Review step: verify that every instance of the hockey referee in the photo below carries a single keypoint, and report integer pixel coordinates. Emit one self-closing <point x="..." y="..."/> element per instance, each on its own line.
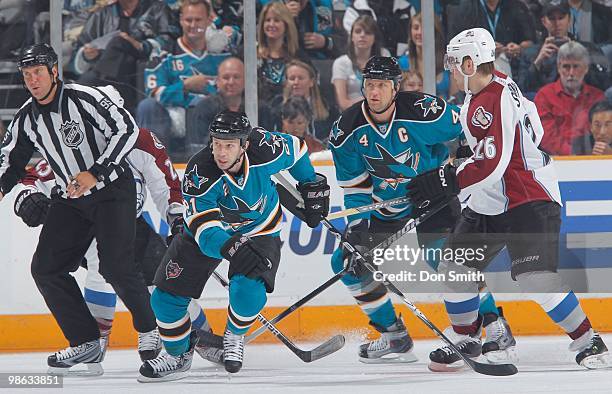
<point x="84" y="133"/>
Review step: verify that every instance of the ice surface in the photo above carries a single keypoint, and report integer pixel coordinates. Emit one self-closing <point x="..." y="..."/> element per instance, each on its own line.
<point x="545" y="366"/>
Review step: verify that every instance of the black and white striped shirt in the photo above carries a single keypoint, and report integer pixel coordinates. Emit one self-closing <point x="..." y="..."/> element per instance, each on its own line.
<point x="83" y="129"/>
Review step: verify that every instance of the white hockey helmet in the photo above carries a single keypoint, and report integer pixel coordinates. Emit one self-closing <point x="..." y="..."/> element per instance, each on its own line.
<point x="477" y="44"/>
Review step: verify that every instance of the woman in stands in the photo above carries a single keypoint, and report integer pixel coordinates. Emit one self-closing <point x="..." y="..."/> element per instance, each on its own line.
<point x="413" y="58"/>
<point x="364" y="42"/>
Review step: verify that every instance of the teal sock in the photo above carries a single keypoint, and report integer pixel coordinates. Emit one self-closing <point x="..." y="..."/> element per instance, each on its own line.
<point x="487" y="303"/>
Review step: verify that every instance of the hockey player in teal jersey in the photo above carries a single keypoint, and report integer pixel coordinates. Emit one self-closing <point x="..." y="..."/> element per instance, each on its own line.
<point x="233" y="212"/>
<point x="378" y="145"/>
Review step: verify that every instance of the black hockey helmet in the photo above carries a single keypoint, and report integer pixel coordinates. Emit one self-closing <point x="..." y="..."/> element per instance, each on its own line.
<point x="38" y="54"/>
<point x="383" y="67"/>
<point x="230" y="125"/>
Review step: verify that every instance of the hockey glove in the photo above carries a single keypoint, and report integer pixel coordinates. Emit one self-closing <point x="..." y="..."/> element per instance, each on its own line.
<point x="434" y="185"/>
<point x="245" y="257"/>
<point x="356" y="233"/>
<point x="32" y="207"/>
<point x="176" y="227"/>
<point x="316" y="200"/>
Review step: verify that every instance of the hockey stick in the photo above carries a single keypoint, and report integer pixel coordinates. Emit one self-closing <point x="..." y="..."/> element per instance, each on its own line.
<point x="325" y="349"/>
<point x="485" y="369"/>
<point x="298" y="304"/>
<point x="367" y="208"/>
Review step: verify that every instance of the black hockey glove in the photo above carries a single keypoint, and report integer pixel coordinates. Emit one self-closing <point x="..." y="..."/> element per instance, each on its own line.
<point x="32" y="207"/>
<point x="316" y="200"/>
<point x="357" y="235"/>
<point x="434" y="185"/>
<point x="176" y="227"/>
<point x="245" y="257"/>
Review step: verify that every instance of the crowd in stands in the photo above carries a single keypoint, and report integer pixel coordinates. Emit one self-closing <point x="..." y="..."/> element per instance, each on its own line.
<point x="178" y="62"/>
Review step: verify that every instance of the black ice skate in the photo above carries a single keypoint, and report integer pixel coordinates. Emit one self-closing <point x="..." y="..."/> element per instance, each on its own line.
<point x="89" y="354"/>
<point x="210" y="346"/>
<point x="593" y="353"/>
<point x="166" y="367"/>
<point x="233" y="351"/>
<point x="445" y="359"/>
<point x="393" y="346"/>
<point x="499" y="345"/>
<point x="149" y="345"/>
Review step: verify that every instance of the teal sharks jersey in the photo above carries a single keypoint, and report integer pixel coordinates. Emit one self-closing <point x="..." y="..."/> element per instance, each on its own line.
<point x="220" y="204"/>
<point x="164" y="76"/>
<point x="375" y="162"/>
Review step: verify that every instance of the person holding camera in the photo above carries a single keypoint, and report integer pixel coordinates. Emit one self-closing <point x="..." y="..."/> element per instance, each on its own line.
<point x="538" y="64"/>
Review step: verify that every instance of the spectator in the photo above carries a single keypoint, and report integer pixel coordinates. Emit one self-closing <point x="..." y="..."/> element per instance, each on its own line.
<point x="314" y="21"/>
<point x="228" y="18"/>
<point x="564" y="105"/>
<point x="411" y="82"/>
<point x="346" y="71"/>
<point x="412" y="59"/>
<point x="599" y="142"/>
<point x="538" y="63"/>
<point x="392" y="21"/>
<point x="230" y="96"/>
<point x="278" y="44"/>
<point x="135" y="29"/>
<point x="302" y="81"/>
<point x="508" y="21"/>
<point x="590" y="21"/>
<point x="12" y="27"/>
<point x="296" y="115"/>
<point x="178" y="80"/>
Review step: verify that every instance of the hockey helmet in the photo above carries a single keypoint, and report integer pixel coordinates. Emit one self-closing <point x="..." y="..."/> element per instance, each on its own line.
<point x="230" y="125"/>
<point x="38" y="54"/>
<point x="383" y="67"/>
<point x="477" y="44"/>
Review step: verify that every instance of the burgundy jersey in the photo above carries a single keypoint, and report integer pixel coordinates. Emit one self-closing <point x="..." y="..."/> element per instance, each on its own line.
<point x="507" y="168"/>
<point x="152" y="169"/>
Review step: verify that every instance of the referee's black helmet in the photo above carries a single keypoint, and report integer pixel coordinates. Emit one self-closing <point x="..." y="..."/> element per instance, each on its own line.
<point x="38" y="54"/>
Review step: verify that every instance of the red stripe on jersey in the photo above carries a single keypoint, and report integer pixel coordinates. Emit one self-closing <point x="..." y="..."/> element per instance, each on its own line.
<point x="148" y="142"/>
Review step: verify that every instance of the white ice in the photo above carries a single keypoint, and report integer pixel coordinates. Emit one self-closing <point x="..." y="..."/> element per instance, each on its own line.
<point x="545" y="366"/>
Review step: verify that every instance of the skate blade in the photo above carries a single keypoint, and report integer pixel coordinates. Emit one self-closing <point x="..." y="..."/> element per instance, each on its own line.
<point x="391" y="358"/>
<point x="214" y="356"/>
<point x="167" y="378"/>
<point x="93" y="369"/>
<point x="454" y="367"/>
<point x="507" y="356"/>
<point x="597" y="361"/>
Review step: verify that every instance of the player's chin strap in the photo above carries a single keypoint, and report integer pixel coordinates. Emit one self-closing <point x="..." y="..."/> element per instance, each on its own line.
<point x="466" y="78"/>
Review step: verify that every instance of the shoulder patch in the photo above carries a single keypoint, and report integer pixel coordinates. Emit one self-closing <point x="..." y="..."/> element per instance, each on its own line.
<point x="348" y="121"/>
<point x="419" y="106"/>
<point x="200" y="174"/>
<point x="265" y="146"/>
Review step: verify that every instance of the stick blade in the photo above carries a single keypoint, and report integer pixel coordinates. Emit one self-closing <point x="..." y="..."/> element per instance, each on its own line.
<point x="494" y="369"/>
<point x="328" y="347"/>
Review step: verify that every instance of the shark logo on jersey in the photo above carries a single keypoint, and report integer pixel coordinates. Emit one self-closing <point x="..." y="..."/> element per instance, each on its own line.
<point x="243" y="214"/>
<point x="193" y="181"/>
<point x="72" y="134"/>
<point x="173" y="270"/>
<point x="336" y="132"/>
<point x="482" y="118"/>
<point x="393" y="170"/>
<point x="428" y="104"/>
<point x="272" y="140"/>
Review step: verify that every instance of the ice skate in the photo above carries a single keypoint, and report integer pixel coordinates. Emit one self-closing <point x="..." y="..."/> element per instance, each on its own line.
<point x="149" y="344"/>
<point x="445" y="359"/>
<point x="166" y="367"/>
<point x="393" y="346"/>
<point x="233" y="351"/>
<point x="499" y="346"/>
<point x="210" y="346"/>
<point x="89" y="354"/>
<point x="592" y="351"/>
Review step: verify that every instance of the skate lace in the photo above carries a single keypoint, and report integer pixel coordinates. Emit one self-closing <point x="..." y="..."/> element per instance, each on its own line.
<point x="164" y="363"/>
<point x="148" y="340"/>
<point x="233" y="346"/>
<point x="68" y="352"/>
<point x="460" y="345"/>
<point x="379" y="344"/>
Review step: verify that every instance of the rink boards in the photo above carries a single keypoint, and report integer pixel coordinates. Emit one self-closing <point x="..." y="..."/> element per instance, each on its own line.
<point x="585" y="261"/>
